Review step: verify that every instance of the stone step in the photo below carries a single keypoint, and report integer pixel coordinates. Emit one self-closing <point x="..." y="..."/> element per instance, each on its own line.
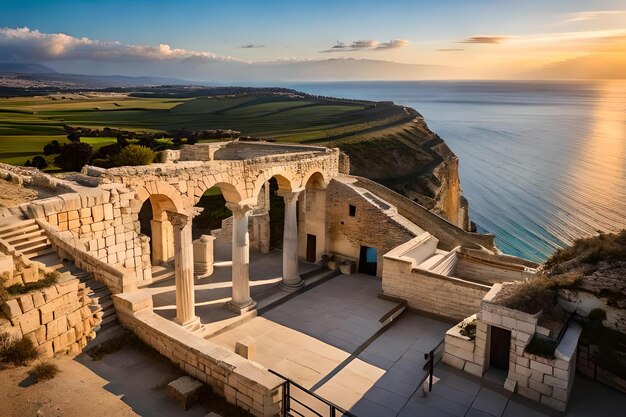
<point x="26" y="236"/>
<point x="17" y="232"/>
<point x="36" y="250"/>
<point x="34" y="241"/>
<point x="14" y="223"/>
<point x="49" y="250"/>
<point x="108" y="322"/>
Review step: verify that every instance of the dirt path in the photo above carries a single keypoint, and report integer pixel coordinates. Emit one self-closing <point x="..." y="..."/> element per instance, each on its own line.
<point x="75" y="392"/>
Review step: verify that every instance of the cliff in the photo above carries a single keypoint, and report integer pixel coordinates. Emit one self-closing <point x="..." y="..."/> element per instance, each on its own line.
<point x="412" y="160"/>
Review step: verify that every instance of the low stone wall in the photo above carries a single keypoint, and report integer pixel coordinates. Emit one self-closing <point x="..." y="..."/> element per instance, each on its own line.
<point x="57" y="319"/>
<point x="242" y="382"/>
<point x="116" y="278"/>
<point x="436" y="294"/>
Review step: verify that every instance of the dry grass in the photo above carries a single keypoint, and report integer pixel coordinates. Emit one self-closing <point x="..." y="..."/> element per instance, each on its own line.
<point x="17" y="351"/>
<point x="608" y="247"/>
<point x="44" y="371"/>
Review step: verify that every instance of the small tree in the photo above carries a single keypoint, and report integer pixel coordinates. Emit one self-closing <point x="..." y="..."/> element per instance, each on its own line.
<point x="134" y="155"/>
<point x="73" y="137"/>
<point x="39" y="162"/>
<point x="52" y="148"/>
<point x="74" y="156"/>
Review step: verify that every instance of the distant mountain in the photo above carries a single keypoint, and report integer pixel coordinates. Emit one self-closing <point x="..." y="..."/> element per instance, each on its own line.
<point x="593" y="66"/>
<point x="6" y="67"/>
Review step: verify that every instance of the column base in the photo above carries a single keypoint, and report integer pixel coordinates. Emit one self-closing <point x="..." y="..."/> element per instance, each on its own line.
<point x="189" y="324"/>
<point x="291" y="286"/>
<point x="241" y="308"/>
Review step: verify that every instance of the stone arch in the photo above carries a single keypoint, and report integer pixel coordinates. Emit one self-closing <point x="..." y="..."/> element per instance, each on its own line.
<point x="315" y="179"/>
<point x="161" y="231"/>
<point x="231" y="192"/>
<point x="286" y="180"/>
<point x="168" y="195"/>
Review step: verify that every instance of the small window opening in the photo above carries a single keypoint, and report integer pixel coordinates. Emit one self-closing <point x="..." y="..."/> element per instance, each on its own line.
<point x="352" y="210"/>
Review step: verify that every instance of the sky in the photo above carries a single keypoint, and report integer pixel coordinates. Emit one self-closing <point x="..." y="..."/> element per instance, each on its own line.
<point x="204" y="39"/>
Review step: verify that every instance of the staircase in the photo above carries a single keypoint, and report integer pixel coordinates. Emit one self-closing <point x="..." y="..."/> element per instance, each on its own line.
<point x="26" y="238"/>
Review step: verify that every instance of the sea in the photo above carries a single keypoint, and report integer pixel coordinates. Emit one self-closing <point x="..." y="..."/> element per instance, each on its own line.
<point x="541" y="163"/>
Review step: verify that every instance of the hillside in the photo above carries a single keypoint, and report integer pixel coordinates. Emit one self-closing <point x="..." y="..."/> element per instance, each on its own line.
<point x="387" y="143"/>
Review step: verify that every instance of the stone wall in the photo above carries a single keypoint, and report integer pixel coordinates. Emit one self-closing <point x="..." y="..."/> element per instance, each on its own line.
<point x="449" y="297"/>
<point x="242" y="382"/>
<point x="448" y="233"/>
<point x="376" y="224"/>
<point x="548" y="381"/>
<point x="57" y="319"/>
<point x="102" y="221"/>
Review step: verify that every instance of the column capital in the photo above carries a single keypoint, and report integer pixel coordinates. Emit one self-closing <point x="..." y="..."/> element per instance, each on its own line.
<point x="289" y="195"/>
<point x="238" y="209"/>
<point x="177" y="219"/>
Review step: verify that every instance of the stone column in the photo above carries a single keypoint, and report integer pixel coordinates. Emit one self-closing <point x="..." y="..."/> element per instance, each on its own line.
<point x="203" y="256"/>
<point x="161" y="241"/>
<point x="291" y="276"/>
<point x="241" y="300"/>
<point x="183" y="260"/>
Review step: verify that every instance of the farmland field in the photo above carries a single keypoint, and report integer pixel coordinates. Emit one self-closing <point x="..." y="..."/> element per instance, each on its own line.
<point x="28" y="123"/>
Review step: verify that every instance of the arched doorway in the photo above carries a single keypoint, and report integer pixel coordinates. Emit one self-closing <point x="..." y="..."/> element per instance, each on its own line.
<point x="312" y="219"/>
<point x="155" y="224"/>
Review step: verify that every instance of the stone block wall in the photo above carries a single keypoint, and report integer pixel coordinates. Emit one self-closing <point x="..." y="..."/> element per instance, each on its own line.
<point x="57" y="319"/>
<point x="548" y="381"/>
<point x="104" y="224"/>
<point x="242" y="382"/>
<point x="375" y="224"/>
<point x="448" y="297"/>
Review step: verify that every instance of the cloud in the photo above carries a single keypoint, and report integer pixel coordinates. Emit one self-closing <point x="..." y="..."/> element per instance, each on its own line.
<point x="367" y="44"/>
<point x="251" y="46"/>
<point x="393" y="44"/>
<point x="486" y="39"/>
<point x="450" y="49"/>
<point x="26" y="45"/>
<point x="592" y="15"/>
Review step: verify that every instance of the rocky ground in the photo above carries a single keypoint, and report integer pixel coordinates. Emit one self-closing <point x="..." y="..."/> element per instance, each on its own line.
<point x="75" y="391"/>
<point x="12" y="194"/>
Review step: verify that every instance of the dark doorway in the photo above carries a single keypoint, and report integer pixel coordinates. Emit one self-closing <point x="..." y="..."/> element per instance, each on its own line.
<point x="311" y="248"/>
<point x="368" y="260"/>
<point x="499" y="348"/>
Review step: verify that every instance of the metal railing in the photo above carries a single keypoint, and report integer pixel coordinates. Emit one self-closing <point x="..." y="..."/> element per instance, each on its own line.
<point x="432" y="358"/>
<point x="287" y="410"/>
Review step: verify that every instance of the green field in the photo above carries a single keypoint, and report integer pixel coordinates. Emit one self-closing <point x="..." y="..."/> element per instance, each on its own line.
<point x="28" y="123"/>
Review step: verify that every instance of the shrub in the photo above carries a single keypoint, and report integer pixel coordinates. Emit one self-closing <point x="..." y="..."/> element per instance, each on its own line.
<point x="44" y="371"/>
<point x="539" y="293"/>
<point x="52" y="148"/>
<point x="603" y="247"/>
<point x="18" y="351"/>
<point x="597" y="315"/>
<point x="468" y="328"/>
<point x="39" y="162"/>
<point x="541" y="347"/>
<point x="50" y="278"/>
<point x="74" y="156"/>
<point x="134" y="155"/>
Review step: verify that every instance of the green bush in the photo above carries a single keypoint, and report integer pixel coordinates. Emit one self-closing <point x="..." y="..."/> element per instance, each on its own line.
<point x="17" y="351"/>
<point x="603" y="247"/>
<point x="43" y="371"/>
<point x="542" y="347"/>
<point x="39" y="162"/>
<point x="74" y="156"/>
<point x="134" y="155"/>
<point x="468" y="328"/>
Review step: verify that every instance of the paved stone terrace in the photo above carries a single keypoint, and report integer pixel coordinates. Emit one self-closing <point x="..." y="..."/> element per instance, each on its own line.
<point x="317" y="339"/>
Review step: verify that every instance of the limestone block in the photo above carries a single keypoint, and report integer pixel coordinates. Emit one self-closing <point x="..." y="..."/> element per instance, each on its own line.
<point x="246" y="348"/>
<point x="30" y="274"/>
<point x="529" y="393"/>
<point x="510" y="385"/>
<point x="29" y="321"/>
<point x="473" y="369"/>
<point x="555" y="382"/>
<point x="184" y="390"/>
<point x="11" y="308"/>
<point x="540" y="387"/>
<point x="6" y="265"/>
<point x="543" y="368"/>
<point x="26" y="302"/>
<point x="553" y="402"/>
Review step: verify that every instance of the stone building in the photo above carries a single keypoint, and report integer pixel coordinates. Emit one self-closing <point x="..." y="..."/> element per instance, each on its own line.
<point x="332" y="219"/>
